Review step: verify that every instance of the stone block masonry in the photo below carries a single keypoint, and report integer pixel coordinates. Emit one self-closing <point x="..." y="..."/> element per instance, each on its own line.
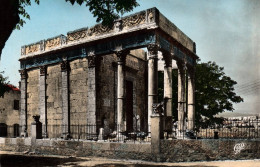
<point x="171" y="150"/>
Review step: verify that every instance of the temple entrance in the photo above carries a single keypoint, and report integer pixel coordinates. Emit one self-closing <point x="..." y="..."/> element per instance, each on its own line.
<point x="129" y="106"/>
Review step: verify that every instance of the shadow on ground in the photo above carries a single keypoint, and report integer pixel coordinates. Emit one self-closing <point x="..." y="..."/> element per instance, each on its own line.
<point x="8" y="160"/>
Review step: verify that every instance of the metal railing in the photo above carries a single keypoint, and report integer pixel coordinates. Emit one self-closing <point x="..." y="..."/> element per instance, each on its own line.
<point x="230" y="129"/>
<point x="95" y="133"/>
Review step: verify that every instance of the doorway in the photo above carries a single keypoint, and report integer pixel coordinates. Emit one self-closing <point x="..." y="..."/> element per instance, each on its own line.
<point x="129" y="106"/>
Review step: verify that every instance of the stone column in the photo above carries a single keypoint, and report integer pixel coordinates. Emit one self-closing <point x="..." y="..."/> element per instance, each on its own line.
<point x="152" y="79"/>
<point x="168" y="92"/>
<point x="181" y="98"/>
<point x="23" y="111"/>
<point x="92" y="86"/>
<point x="42" y="100"/>
<point x="191" y="99"/>
<point x="65" y="99"/>
<point x="121" y="56"/>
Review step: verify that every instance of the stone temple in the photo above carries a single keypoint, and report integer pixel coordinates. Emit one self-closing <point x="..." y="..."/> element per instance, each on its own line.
<point x="102" y="76"/>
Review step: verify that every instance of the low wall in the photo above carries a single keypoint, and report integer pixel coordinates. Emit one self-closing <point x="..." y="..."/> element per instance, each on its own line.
<point x="141" y="151"/>
<point x="171" y="150"/>
<point x="209" y="150"/>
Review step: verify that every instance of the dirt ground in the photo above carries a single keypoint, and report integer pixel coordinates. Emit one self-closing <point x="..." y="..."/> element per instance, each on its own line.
<point x="10" y="159"/>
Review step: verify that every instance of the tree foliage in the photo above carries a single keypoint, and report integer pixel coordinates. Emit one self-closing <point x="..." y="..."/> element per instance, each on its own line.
<point x="3" y="84"/>
<point x="107" y="11"/>
<point x="214" y="93"/>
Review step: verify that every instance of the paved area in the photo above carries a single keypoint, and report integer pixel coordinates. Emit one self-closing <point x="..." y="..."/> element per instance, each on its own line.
<point x="29" y="159"/>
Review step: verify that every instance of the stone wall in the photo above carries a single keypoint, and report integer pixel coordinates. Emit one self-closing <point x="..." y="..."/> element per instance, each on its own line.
<point x="8" y="114"/>
<point x="171" y="150"/>
<point x="140" y="151"/>
<point x="32" y="95"/>
<point x="53" y="94"/>
<point x="78" y="77"/>
<point x="106" y="85"/>
<point x="209" y="150"/>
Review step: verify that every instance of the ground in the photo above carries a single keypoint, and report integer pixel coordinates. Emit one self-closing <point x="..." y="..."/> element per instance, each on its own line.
<point x="8" y="159"/>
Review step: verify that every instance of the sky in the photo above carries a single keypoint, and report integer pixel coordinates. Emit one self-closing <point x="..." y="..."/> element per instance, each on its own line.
<point x="225" y="31"/>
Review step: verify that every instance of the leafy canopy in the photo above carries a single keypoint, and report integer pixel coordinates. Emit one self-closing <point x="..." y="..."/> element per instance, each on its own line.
<point x="3" y="84"/>
<point x="214" y="93"/>
<point x="106" y="11"/>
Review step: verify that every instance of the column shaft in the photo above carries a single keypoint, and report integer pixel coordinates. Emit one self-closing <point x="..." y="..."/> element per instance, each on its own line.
<point x="92" y="88"/>
<point x="152" y="80"/>
<point x="23" y="111"/>
<point x="65" y="99"/>
<point x="168" y="93"/>
<point x="121" y="56"/>
<point x="191" y="100"/>
<point x="42" y="101"/>
<point x="181" y="98"/>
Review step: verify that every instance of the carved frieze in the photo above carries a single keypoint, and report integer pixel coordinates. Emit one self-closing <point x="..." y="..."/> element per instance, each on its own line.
<point x="51" y="43"/>
<point x="32" y="48"/>
<point x="77" y="35"/>
<point x="98" y="30"/>
<point x="134" y="20"/>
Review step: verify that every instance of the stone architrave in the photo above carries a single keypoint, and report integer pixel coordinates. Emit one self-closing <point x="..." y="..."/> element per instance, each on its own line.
<point x="65" y="99"/>
<point x="152" y="79"/>
<point x="191" y="98"/>
<point x="42" y="100"/>
<point x="168" y="91"/>
<point x="92" y="90"/>
<point x="181" y="98"/>
<point x="121" y="57"/>
<point x="23" y="111"/>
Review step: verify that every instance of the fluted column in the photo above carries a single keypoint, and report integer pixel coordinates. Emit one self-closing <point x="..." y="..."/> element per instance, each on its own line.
<point x="121" y="57"/>
<point x="181" y="98"/>
<point x="191" y="99"/>
<point x="65" y="99"/>
<point x="23" y="111"/>
<point x="152" y="79"/>
<point x="168" y="91"/>
<point x="42" y="100"/>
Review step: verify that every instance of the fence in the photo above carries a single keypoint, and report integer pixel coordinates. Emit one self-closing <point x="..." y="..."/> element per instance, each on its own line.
<point x="235" y="129"/>
<point x="230" y="129"/>
<point x="91" y="132"/>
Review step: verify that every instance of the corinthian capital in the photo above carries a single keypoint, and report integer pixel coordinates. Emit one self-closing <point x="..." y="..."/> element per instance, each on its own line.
<point x="23" y="73"/>
<point x="121" y="55"/>
<point x="153" y="50"/>
<point x="64" y="65"/>
<point x="42" y="70"/>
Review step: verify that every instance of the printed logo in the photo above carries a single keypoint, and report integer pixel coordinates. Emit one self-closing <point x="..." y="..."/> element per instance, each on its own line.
<point x="239" y="147"/>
